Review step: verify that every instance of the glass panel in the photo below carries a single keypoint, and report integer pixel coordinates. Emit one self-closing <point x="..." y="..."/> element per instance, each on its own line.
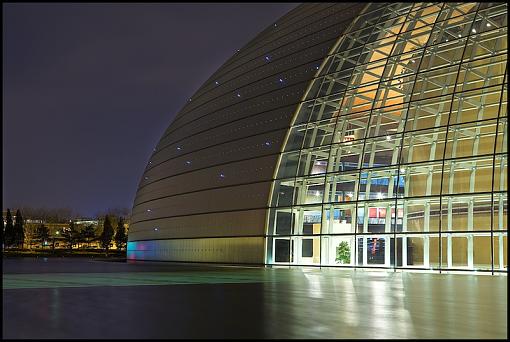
<point x="421" y="214"/>
<point x="481" y="250"/>
<point x="423" y="146"/>
<point x="480" y="73"/>
<point x="307" y="220"/>
<point x="411" y="251"/>
<point x="480" y="206"/>
<point x="433" y="251"/>
<point x="283" y="193"/>
<point x="336" y="82"/>
<point x="308" y="250"/>
<point x="500" y="217"/>
<point x="500" y="245"/>
<point x="387" y="121"/>
<point x="373" y="251"/>
<point x="466" y="251"/>
<point x="304" y="112"/>
<point x="341" y="187"/>
<point x="403" y="136"/>
<point x="338" y="219"/>
<point x="466" y="213"/>
<point x="471" y="139"/>
<point x="428" y="113"/>
<point x="435" y="82"/>
<point x="325" y="108"/>
<point x="376" y="217"/>
<point x="377" y="184"/>
<point x="500" y="173"/>
<point x="422" y="179"/>
<point x="319" y="133"/>
<point x="467" y="176"/>
<point x="313" y="161"/>
<point x="346" y="156"/>
<point x="288" y="165"/>
<point x="382" y="151"/>
<point x="282" y="250"/>
<point x="337" y="250"/>
<point x="296" y="137"/>
<point x="351" y="128"/>
<point x="459" y="251"/>
<point x="309" y="190"/>
<point x="502" y="138"/>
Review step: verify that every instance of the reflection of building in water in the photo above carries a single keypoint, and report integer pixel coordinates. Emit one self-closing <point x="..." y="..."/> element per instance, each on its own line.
<point x="394" y="156"/>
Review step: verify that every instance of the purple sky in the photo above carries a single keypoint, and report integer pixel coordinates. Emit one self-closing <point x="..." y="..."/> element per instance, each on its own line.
<point x="88" y="89"/>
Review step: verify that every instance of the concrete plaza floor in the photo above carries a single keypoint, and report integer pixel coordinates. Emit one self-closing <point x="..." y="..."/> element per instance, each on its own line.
<point x="83" y="298"/>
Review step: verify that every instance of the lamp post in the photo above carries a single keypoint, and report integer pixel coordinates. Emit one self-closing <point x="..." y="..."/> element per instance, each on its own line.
<point x="53" y="244"/>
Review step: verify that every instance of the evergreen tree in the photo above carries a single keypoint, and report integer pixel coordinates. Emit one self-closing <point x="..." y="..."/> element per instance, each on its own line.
<point x="106" y="235"/>
<point x="3" y="231"/>
<point x="88" y="234"/>
<point x="42" y="234"/>
<point x="9" y="230"/>
<point x="80" y="238"/>
<point x="70" y="235"/>
<point x="19" y="230"/>
<point x="120" y="234"/>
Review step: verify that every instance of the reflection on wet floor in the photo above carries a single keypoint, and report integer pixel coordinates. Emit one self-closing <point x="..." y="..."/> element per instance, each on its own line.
<point x="91" y="299"/>
<point x="53" y="280"/>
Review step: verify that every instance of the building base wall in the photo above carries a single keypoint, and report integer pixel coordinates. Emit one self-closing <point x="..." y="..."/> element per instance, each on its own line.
<point x="242" y="250"/>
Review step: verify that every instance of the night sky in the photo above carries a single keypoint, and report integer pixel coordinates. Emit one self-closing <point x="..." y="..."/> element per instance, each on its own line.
<point x="88" y="90"/>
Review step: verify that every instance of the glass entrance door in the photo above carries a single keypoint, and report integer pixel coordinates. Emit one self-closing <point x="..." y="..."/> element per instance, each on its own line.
<point x="374" y="251"/>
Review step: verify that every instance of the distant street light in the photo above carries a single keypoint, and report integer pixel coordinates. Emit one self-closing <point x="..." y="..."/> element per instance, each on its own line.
<point x="53" y="244"/>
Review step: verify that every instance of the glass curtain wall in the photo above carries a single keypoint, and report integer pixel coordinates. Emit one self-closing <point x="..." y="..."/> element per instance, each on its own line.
<point x="397" y="157"/>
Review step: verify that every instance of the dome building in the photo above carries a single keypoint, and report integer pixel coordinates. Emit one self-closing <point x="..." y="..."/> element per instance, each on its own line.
<point x="343" y="135"/>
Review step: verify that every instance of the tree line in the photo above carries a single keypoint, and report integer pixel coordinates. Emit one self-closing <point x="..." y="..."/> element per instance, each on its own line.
<point x="13" y="234"/>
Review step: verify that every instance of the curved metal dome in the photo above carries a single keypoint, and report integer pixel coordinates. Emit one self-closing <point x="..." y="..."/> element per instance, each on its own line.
<point x="352" y="135"/>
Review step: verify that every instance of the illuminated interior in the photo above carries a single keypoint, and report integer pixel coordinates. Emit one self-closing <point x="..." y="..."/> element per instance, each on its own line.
<point x="397" y="157"/>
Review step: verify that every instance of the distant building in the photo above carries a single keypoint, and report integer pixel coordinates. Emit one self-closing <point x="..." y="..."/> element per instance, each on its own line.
<point x="56" y="230"/>
<point x="86" y="221"/>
